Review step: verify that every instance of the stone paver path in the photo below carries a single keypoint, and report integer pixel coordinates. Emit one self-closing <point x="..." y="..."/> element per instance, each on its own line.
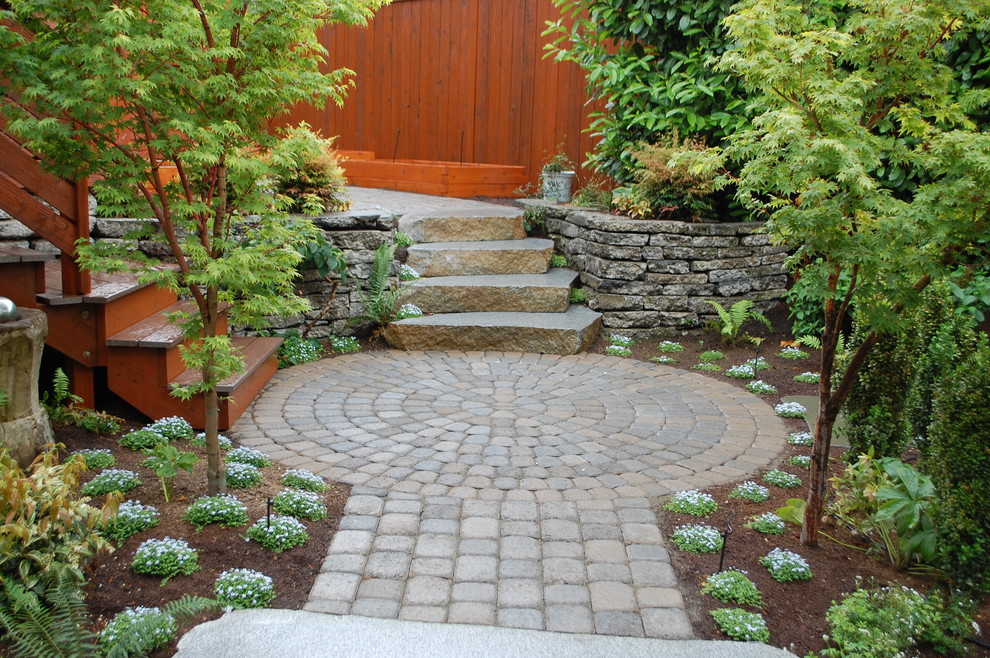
<point x="508" y="489"/>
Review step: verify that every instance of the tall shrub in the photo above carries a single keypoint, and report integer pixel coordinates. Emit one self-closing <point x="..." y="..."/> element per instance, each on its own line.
<point x="651" y="63"/>
<point x="946" y="338"/>
<point x="875" y="411"/>
<point x="959" y="463"/>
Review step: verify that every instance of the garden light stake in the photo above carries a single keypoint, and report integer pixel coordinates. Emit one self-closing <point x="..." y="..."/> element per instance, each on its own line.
<point x="269" y="512"/>
<point x="725" y="540"/>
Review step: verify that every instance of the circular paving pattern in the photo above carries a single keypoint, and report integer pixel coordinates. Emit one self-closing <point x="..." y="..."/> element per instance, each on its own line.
<point x="460" y="424"/>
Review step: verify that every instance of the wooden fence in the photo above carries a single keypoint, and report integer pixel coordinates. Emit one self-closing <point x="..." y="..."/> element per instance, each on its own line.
<point x="456" y="80"/>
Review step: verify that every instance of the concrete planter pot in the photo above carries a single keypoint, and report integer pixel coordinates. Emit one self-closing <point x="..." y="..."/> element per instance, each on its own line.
<point x="557" y="185"/>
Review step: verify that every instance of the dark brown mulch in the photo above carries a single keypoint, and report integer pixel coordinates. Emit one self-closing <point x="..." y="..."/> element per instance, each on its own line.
<point x="114" y="586"/>
<point x="794" y="612"/>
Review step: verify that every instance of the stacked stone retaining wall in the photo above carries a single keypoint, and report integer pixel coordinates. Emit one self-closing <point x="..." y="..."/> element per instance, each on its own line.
<point x="356" y="233"/>
<point x="647" y="275"/>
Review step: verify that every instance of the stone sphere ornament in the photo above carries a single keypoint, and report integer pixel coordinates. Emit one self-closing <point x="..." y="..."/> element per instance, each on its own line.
<point x="8" y="310"/>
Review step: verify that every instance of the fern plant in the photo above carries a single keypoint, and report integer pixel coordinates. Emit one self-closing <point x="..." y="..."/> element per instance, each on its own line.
<point x="730" y="322"/>
<point x="53" y="622"/>
<point x="379" y="298"/>
<point x="62" y="409"/>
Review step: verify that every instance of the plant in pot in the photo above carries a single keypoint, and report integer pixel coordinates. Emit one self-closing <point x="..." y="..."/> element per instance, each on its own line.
<point x="558" y="178"/>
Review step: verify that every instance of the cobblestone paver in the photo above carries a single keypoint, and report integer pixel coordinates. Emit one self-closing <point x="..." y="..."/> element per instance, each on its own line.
<point x="508" y="489"/>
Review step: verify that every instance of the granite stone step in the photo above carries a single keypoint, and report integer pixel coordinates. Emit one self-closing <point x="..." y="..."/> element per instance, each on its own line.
<point x="466" y="225"/>
<point x="543" y="333"/>
<point x="523" y="293"/>
<point x="527" y="256"/>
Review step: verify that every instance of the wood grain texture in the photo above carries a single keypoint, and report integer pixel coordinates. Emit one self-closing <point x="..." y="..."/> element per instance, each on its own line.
<point x="456" y="80"/>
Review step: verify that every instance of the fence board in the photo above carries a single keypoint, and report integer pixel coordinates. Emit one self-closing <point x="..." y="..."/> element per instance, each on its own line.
<point x="463" y="80"/>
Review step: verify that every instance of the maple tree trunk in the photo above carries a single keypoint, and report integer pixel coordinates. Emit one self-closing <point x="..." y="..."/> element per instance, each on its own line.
<point x="216" y="479"/>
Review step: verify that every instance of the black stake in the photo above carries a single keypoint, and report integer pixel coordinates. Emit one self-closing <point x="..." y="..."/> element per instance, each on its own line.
<point x="269" y="513"/>
<point x="725" y="540"/>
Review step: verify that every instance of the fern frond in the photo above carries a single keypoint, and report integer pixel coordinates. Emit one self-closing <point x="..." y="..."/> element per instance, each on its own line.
<point x="814" y="342"/>
<point x="739" y="312"/>
<point x="55" y="624"/>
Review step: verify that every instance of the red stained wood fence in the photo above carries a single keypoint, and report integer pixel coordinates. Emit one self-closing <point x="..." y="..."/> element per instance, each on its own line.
<point x="456" y="81"/>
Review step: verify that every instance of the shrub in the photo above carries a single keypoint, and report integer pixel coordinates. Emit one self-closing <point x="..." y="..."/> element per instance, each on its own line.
<point x="407" y="273"/>
<point x="786" y="566"/>
<point x="732" y="587"/>
<point x="111" y="480"/>
<point x="172" y="428"/>
<point x="222" y="509"/>
<point x="959" y="464"/>
<point x="245" y="455"/>
<point x="299" y="478"/>
<point x="295" y="350"/>
<point x="780" y="478"/>
<point x="792" y="353"/>
<point x="668" y="186"/>
<point x="132" y="517"/>
<point x="790" y="410"/>
<point x="692" y="502"/>
<point x="244" y="588"/>
<point x="558" y="261"/>
<point x="877" y="622"/>
<point x="697" y="538"/>
<point x="741" y="625"/>
<point x="278" y="533"/>
<point x="618" y="350"/>
<point x="156" y="629"/>
<point x="874" y="411"/>
<point x="767" y="523"/>
<point x="242" y="476"/>
<point x="760" y="387"/>
<point x="310" y="175"/>
<point x="407" y="311"/>
<point x="138" y="631"/>
<point x="300" y="504"/>
<point x="43" y="522"/>
<point x="165" y="557"/>
<point x="344" y="344"/>
<point x="947" y="339"/>
<point x="96" y="458"/>
<point x="200" y="441"/>
<point x="750" y="491"/>
<point x="142" y="440"/>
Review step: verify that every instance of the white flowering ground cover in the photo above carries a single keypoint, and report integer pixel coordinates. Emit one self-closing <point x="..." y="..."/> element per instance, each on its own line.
<point x="794" y="612"/>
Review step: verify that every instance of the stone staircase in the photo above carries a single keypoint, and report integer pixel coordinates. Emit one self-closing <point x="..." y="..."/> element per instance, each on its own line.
<point x="486" y="286"/>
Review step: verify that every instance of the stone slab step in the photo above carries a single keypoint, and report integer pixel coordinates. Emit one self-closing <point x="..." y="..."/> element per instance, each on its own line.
<point x="528" y="256"/>
<point x="524" y="293"/>
<point x="464" y="225"/>
<point x="543" y="333"/>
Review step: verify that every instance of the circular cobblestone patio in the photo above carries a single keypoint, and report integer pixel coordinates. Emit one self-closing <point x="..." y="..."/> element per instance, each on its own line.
<point x="456" y="422"/>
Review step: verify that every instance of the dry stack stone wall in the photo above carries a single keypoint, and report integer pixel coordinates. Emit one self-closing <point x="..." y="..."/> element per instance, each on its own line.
<point x="645" y="275"/>
<point x="356" y="233"/>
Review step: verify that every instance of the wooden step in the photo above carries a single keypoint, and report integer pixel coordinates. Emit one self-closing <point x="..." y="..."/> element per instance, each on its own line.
<point x="464" y="225"/>
<point x="528" y="256"/>
<point x="544" y="333"/>
<point x="523" y="293"/>
<point x="22" y="274"/>
<point x="141" y="384"/>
